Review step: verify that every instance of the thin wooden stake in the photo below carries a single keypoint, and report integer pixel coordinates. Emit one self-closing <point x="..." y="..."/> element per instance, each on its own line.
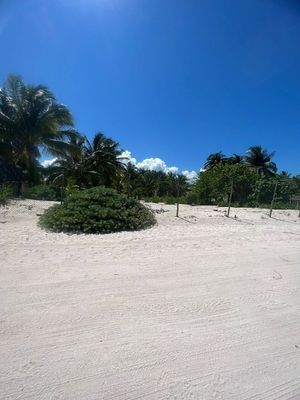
<point x="230" y="197"/>
<point x="273" y="199"/>
<point x="177" y="201"/>
<point x="177" y="209"/>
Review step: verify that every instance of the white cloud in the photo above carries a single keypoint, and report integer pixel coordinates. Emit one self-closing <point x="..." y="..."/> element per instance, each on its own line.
<point x="150" y="164"/>
<point x="48" y="163"/>
<point x="155" y="164"/>
<point x="190" y="175"/>
<point x="174" y="170"/>
<point x="126" y="157"/>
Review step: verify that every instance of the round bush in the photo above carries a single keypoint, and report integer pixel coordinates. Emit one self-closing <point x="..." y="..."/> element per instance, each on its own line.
<point x="97" y="210"/>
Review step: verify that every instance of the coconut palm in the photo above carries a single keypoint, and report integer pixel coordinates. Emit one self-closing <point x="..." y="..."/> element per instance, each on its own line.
<point x="148" y="183"/>
<point x="235" y="159"/>
<point x="260" y="160"/>
<point x="9" y="172"/>
<point x="164" y="183"/>
<point x="178" y="184"/>
<point x="73" y="165"/>
<point x="130" y="177"/>
<point x="105" y="156"/>
<point x="215" y="159"/>
<point x="183" y="184"/>
<point x="31" y="121"/>
<point x="286" y="174"/>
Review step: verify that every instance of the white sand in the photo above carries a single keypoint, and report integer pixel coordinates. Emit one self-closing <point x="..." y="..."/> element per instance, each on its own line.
<point x="203" y="308"/>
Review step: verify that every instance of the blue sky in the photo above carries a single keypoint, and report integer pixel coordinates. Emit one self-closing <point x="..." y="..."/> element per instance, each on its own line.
<point x="174" y="79"/>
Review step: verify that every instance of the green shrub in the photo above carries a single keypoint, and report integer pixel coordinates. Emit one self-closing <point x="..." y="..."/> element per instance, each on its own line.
<point x="213" y="185"/>
<point x="44" y="192"/>
<point x="5" y="194"/>
<point x="97" y="210"/>
<point x="192" y="198"/>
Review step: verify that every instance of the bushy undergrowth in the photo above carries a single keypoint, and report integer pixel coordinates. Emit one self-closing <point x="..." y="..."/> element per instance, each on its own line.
<point x="5" y="195"/>
<point x="44" y="192"/>
<point x="97" y="210"/>
<point x="192" y="199"/>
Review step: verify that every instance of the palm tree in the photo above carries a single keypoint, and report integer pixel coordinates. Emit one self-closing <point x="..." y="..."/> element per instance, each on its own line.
<point x="235" y="159"/>
<point x="183" y="184"/>
<point x="148" y="183"/>
<point x="286" y="174"/>
<point x="215" y="159"/>
<point x="181" y="188"/>
<point x="73" y="165"/>
<point x="129" y="177"/>
<point x="9" y="172"/>
<point x="99" y="162"/>
<point x="177" y="184"/>
<point x="31" y="121"/>
<point x="164" y="183"/>
<point x="105" y="157"/>
<point x="260" y="160"/>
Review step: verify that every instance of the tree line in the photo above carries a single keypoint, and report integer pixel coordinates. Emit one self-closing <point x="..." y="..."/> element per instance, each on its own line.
<point x="252" y="177"/>
<point x="33" y="122"/>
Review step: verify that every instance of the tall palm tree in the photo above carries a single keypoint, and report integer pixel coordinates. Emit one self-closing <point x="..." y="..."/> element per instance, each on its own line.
<point x="148" y="183"/>
<point x="215" y="159"/>
<point x="31" y="121"/>
<point x="73" y="165"/>
<point x="183" y="184"/>
<point x="178" y="184"/>
<point x="286" y="174"/>
<point x="105" y="156"/>
<point x="9" y="172"/>
<point x="235" y="159"/>
<point x="261" y="160"/>
<point x="129" y="177"/>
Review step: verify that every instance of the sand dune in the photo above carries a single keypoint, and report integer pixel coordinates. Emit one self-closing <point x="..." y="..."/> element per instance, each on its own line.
<point x="198" y="307"/>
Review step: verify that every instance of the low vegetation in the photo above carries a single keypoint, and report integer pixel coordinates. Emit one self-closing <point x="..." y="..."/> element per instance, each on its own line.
<point x="45" y="192"/>
<point x="33" y="122"/>
<point x="249" y="187"/>
<point x="97" y="210"/>
<point x="5" y="195"/>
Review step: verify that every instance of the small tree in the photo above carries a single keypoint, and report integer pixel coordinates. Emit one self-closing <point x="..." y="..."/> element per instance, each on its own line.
<point x="214" y="185"/>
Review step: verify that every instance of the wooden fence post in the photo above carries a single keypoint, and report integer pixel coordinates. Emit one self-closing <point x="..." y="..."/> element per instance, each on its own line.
<point x="177" y="200"/>
<point x="230" y="197"/>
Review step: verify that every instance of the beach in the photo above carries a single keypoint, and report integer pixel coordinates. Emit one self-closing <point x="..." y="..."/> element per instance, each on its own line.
<point x="197" y="307"/>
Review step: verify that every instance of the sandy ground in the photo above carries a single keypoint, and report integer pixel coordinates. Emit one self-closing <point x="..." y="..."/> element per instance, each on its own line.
<point x="202" y="307"/>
